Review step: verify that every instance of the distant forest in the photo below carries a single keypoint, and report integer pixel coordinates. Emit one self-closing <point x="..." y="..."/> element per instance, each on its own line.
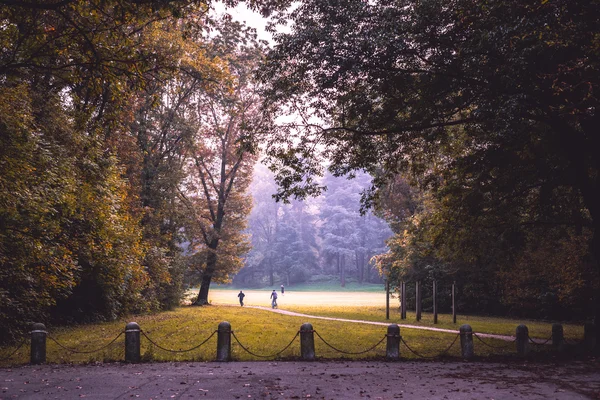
<point x="326" y="235"/>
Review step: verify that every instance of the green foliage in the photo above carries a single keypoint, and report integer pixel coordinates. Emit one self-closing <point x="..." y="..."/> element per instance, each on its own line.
<point x="68" y="245"/>
<point x="489" y="107"/>
<point x="37" y="197"/>
<point x="89" y="228"/>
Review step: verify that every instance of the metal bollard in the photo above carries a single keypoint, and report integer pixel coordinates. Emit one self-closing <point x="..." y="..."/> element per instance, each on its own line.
<point x="307" y="342"/>
<point x="38" y="343"/>
<point x="132" y="343"/>
<point x="466" y="342"/>
<point x="522" y="340"/>
<point x="392" y="350"/>
<point x="558" y="338"/>
<point x="589" y="336"/>
<point x="224" y="341"/>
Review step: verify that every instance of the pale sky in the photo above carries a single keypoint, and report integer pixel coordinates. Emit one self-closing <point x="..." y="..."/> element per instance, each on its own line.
<point x="242" y="14"/>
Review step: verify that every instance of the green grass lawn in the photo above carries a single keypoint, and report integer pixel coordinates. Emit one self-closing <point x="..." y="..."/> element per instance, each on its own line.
<point x="316" y="286"/>
<point x="265" y="333"/>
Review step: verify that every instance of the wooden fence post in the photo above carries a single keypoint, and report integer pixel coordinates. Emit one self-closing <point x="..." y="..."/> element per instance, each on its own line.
<point x="387" y="298"/>
<point x="435" y="310"/>
<point x="453" y="302"/>
<point x="418" y="300"/>
<point x="403" y="300"/>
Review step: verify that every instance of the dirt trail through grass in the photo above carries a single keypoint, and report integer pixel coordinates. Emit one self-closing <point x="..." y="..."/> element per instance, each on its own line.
<point x="425" y="328"/>
<point x="256" y="297"/>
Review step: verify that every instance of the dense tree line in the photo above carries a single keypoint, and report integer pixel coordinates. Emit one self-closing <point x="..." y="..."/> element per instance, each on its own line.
<point x="103" y="130"/>
<point x="129" y="130"/>
<point x="490" y="108"/>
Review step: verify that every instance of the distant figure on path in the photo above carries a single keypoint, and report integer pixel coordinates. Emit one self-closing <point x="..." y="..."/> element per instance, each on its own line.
<point x="274" y="297"/>
<point x="241" y="295"/>
<point x="282" y="290"/>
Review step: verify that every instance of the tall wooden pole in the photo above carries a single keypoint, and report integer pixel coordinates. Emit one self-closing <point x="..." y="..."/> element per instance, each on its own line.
<point x="387" y="299"/>
<point x="435" y="311"/>
<point x="454" y="302"/>
<point x="403" y="300"/>
<point x="418" y="300"/>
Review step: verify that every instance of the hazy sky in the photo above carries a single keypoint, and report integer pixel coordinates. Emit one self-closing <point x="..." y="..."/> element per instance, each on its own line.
<point x="243" y="14"/>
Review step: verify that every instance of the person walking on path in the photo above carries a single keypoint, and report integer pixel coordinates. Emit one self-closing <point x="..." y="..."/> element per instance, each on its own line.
<point x="274" y="299"/>
<point x="241" y="295"/>
<point x="282" y="290"/>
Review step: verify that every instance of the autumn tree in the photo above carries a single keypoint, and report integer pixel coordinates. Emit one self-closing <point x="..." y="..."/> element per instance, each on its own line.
<point x="70" y="242"/>
<point x="221" y="163"/>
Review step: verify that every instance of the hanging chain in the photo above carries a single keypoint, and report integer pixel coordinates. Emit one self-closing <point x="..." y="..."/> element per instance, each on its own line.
<point x="264" y="356"/>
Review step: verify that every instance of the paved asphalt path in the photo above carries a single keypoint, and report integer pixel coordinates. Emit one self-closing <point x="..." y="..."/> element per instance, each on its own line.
<point x="304" y="380"/>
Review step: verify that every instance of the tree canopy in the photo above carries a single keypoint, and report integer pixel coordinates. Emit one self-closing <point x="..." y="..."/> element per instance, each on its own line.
<point x="94" y="138"/>
<point x="493" y="106"/>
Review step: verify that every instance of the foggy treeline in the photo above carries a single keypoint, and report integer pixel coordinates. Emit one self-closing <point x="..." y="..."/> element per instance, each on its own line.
<point x="323" y="238"/>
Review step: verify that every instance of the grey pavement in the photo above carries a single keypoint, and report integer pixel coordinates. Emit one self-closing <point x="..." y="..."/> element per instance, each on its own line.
<point x="304" y="380"/>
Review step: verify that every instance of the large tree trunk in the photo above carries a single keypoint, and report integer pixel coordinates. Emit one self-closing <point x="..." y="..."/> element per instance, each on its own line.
<point x="211" y="263"/>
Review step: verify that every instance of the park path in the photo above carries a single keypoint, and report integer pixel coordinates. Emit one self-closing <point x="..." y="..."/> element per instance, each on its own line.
<point x="360" y="321"/>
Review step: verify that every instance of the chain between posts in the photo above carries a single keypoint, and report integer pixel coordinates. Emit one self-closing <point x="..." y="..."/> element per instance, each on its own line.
<point x="495" y="347"/>
<point x="348" y="352"/>
<point x="15" y="351"/>
<point x="177" y="351"/>
<point x="538" y="343"/>
<point x="572" y="342"/>
<point x="263" y="356"/>
<point x="431" y="357"/>
<point x="86" y="351"/>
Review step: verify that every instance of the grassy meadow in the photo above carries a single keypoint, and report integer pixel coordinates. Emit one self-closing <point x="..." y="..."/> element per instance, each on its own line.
<point x="265" y="333"/>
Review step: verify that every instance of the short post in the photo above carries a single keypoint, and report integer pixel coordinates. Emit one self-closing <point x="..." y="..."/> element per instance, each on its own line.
<point x="522" y="340"/>
<point x="466" y="342"/>
<point x="392" y="350"/>
<point x="589" y="336"/>
<point x="453" y="302"/>
<point x="403" y="300"/>
<point x="435" y="311"/>
<point x="132" y="343"/>
<point x="558" y="338"/>
<point x="307" y="342"/>
<point x="224" y="341"/>
<point x="38" y="343"/>
<point x="418" y="300"/>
